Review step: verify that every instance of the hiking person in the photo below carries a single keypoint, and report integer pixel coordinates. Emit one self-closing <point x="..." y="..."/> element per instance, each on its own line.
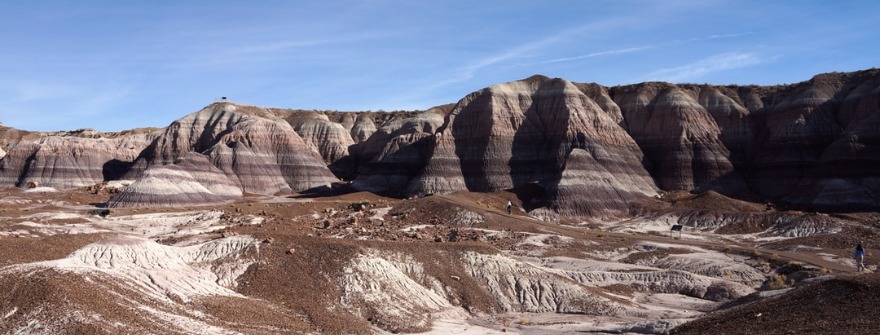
<point x="860" y="257"/>
<point x="509" y="207"/>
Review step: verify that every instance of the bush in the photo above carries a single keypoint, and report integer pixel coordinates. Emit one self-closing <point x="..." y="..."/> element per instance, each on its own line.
<point x="779" y="281"/>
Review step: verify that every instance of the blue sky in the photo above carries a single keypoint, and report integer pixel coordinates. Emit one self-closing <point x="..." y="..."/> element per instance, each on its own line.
<point x="114" y="65"/>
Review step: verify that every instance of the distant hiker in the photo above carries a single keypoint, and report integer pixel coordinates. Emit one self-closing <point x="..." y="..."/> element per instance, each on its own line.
<point x="860" y="257"/>
<point x="509" y="207"/>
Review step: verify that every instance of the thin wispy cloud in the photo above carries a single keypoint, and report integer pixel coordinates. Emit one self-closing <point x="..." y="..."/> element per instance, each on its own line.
<point x="208" y="56"/>
<point x="525" y="50"/>
<point x="468" y="71"/>
<point x="282" y="45"/>
<point x="718" y="36"/>
<point x="703" y="67"/>
<point x="631" y="49"/>
<point x="66" y="65"/>
<point x="589" y="55"/>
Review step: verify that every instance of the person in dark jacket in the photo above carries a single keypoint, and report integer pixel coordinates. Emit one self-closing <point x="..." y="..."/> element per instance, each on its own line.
<point x="860" y="257"/>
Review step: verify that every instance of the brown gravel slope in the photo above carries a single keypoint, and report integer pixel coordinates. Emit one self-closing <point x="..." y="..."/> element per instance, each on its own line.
<point x="844" y="305"/>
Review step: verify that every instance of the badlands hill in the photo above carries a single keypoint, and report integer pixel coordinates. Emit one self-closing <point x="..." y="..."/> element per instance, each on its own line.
<point x="570" y="149"/>
<point x="240" y="219"/>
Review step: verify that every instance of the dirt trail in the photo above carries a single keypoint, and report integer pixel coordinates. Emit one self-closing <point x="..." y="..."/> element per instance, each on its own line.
<point x="581" y="232"/>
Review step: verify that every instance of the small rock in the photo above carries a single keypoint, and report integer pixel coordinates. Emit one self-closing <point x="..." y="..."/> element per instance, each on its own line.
<point x="291" y="251"/>
<point x="453" y="235"/>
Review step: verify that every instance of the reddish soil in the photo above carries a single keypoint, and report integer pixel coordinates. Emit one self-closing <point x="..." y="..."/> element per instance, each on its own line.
<point x="297" y="290"/>
<point x="844" y="305"/>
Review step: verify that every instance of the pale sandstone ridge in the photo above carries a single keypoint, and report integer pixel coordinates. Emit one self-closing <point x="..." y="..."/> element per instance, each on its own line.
<point x="258" y="151"/>
<point x="191" y="180"/>
<point x="68" y="159"/>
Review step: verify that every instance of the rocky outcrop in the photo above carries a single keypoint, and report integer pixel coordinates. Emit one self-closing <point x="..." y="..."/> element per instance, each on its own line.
<point x="735" y="125"/>
<point x="334" y="134"/>
<point x="521" y="133"/>
<point x="813" y="144"/>
<point x="401" y="294"/>
<point x="69" y="159"/>
<point x="258" y="151"/>
<point x="154" y="282"/>
<point x="362" y="128"/>
<point x="329" y="138"/>
<point x="796" y="129"/>
<point x="678" y="135"/>
<point x="602" y="98"/>
<point x="830" y="148"/>
<point x="397" y="152"/>
<point x="521" y="287"/>
<point x="591" y="187"/>
<point x="191" y="180"/>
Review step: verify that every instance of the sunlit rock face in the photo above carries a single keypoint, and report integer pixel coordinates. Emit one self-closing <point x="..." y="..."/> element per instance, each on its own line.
<point x="68" y="159"/>
<point x="590" y="187"/>
<point x="813" y="144"/>
<point x="810" y="144"/>
<point x="258" y="151"/>
<point x="362" y="128"/>
<point x="191" y="180"/>
<point x="397" y="152"/>
<point x="330" y="139"/>
<point x="336" y="136"/>
<point x="523" y="132"/>
<point x="677" y="134"/>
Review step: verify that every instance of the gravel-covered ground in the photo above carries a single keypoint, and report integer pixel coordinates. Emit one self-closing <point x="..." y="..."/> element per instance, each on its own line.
<point x="298" y="276"/>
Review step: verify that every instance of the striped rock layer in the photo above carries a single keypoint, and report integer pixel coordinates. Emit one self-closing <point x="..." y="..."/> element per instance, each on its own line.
<point x="191" y="180"/>
<point x="258" y="151"/>
<point x="397" y="152"/>
<point x="814" y="144"/>
<point x="520" y="133"/>
<point x="68" y="159"/>
<point x="581" y="149"/>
